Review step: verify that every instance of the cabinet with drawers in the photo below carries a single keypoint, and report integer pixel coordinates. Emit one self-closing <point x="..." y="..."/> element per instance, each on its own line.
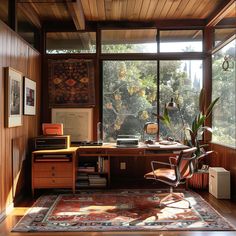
<point x="54" y="168"/>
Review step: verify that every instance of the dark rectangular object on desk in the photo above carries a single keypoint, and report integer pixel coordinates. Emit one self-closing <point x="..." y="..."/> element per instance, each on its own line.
<point x="52" y="142"/>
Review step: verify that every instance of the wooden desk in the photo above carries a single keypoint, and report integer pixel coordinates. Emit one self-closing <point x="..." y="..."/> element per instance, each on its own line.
<point x="100" y="166"/>
<point x="126" y="166"/>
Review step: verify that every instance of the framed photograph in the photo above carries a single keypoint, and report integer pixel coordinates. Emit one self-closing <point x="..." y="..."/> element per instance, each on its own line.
<point x="77" y="122"/>
<point x="71" y="83"/>
<point x="29" y="97"/>
<point x="14" y="97"/>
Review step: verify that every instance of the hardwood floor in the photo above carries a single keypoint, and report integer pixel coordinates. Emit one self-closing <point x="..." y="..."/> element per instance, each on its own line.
<point x="225" y="207"/>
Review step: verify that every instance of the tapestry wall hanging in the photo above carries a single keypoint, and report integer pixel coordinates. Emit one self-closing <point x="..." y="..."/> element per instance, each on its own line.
<point x="71" y="83"/>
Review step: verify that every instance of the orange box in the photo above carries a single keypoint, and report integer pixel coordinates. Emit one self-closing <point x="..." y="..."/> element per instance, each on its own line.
<point x="52" y="129"/>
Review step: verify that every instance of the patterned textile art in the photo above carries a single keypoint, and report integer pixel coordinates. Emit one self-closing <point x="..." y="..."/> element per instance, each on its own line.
<point x="131" y="210"/>
<point x="71" y="83"/>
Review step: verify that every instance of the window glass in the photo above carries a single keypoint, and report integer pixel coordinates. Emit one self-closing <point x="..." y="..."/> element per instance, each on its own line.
<point x="223" y="34"/>
<point x="182" y="81"/>
<point x="224" y="86"/>
<point x="129" y="41"/>
<point x="71" y="42"/>
<point x="226" y="27"/>
<point x="4" y="11"/>
<point x="181" y="41"/>
<point x="129" y="97"/>
<point x="25" y="28"/>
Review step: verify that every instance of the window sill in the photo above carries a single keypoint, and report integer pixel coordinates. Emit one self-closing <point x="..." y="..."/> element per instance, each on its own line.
<point x="224" y="145"/>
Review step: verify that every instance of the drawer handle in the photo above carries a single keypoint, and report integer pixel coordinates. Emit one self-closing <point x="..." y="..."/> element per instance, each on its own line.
<point x="53" y="167"/>
<point x="53" y="180"/>
<point x="53" y="174"/>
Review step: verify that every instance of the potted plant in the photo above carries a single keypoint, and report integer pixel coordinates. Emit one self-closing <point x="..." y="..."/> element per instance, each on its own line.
<point x="197" y="128"/>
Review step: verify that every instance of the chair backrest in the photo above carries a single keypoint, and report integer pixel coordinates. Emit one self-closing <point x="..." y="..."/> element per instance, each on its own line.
<point x="184" y="165"/>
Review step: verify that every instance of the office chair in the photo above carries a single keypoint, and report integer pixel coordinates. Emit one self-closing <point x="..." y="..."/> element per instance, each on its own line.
<point x="180" y="168"/>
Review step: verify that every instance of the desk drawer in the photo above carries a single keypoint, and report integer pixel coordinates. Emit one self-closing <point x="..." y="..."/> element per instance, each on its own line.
<point x="52" y="182"/>
<point x="125" y="152"/>
<point x="42" y="170"/>
<point x="52" y="166"/>
<point x="53" y="173"/>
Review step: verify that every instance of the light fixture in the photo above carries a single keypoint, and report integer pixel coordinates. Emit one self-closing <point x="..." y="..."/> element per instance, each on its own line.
<point x="173" y="106"/>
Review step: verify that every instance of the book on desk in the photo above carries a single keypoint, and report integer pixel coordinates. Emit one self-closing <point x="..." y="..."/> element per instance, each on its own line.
<point x="167" y="145"/>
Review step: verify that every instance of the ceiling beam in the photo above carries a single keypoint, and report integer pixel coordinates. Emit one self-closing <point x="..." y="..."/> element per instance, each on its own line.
<point x="76" y="11"/>
<point x="227" y="22"/>
<point x="160" y="24"/>
<point x="220" y="12"/>
<point x="30" y="14"/>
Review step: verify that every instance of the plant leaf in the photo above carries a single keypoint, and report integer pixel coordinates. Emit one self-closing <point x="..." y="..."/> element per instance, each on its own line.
<point x="202" y="98"/>
<point x="200" y="122"/>
<point x="210" y="107"/>
<point x="209" y="129"/>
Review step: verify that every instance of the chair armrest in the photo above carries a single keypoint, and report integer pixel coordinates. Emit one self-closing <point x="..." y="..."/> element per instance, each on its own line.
<point x="160" y="162"/>
<point x="153" y="163"/>
<point x="205" y="154"/>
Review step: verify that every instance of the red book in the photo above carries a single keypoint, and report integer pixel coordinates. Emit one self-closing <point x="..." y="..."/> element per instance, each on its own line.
<point x="52" y="129"/>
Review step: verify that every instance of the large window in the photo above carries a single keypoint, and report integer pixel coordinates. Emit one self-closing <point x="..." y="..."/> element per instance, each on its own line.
<point x="224" y="86"/>
<point x="181" y="41"/>
<point x="129" y="41"/>
<point x="182" y="81"/>
<point x="26" y="29"/>
<point x="129" y="97"/>
<point x="71" y="42"/>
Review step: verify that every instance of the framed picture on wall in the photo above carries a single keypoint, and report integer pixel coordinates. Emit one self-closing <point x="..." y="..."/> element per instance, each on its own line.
<point x="29" y="97"/>
<point x="77" y="122"/>
<point x="13" y="97"/>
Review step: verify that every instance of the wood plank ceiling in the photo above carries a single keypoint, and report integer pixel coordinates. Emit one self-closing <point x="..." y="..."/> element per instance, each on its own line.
<point x="148" y="10"/>
<point x="124" y="10"/>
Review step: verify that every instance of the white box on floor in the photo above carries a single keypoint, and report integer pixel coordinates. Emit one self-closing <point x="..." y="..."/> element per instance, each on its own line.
<point x="219" y="182"/>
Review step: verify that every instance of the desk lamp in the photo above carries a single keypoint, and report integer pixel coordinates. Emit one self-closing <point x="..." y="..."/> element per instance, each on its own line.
<point x="173" y="106"/>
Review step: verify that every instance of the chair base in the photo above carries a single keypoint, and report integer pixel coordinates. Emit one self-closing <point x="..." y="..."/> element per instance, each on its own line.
<point x="173" y="197"/>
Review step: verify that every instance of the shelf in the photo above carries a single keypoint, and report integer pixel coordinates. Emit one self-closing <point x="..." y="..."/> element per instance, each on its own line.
<point x="94" y="172"/>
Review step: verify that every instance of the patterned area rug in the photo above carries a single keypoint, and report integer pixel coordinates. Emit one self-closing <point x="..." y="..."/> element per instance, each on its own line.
<point x="119" y="211"/>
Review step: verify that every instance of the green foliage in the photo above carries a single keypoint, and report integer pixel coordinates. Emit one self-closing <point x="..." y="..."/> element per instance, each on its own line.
<point x="129" y="96"/>
<point x="197" y="128"/>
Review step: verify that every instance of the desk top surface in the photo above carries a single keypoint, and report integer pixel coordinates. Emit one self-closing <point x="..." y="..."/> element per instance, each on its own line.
<point x="112" y="146"/>
<point x="156" y="146"/>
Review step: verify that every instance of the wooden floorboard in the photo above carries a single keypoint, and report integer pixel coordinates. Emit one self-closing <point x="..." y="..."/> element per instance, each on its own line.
<point x="226" y="208"/>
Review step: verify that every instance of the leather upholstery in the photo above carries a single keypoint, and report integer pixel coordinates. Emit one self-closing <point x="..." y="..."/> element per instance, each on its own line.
<point x="162" y="173"/>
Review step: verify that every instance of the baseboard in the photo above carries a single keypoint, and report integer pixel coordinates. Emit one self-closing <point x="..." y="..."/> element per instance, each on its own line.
<point x="6" y="212"/>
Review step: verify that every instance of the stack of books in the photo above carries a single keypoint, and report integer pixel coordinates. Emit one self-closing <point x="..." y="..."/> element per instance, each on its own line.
<point x="86" y="169"/>
<point x="82" y="180"/>
<point x="103" y="165"/>
<point x="97" y="181"/>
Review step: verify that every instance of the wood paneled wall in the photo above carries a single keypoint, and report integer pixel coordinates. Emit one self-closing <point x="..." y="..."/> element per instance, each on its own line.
<point x="225" y="157"/>
<point x="16" y="53"/>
